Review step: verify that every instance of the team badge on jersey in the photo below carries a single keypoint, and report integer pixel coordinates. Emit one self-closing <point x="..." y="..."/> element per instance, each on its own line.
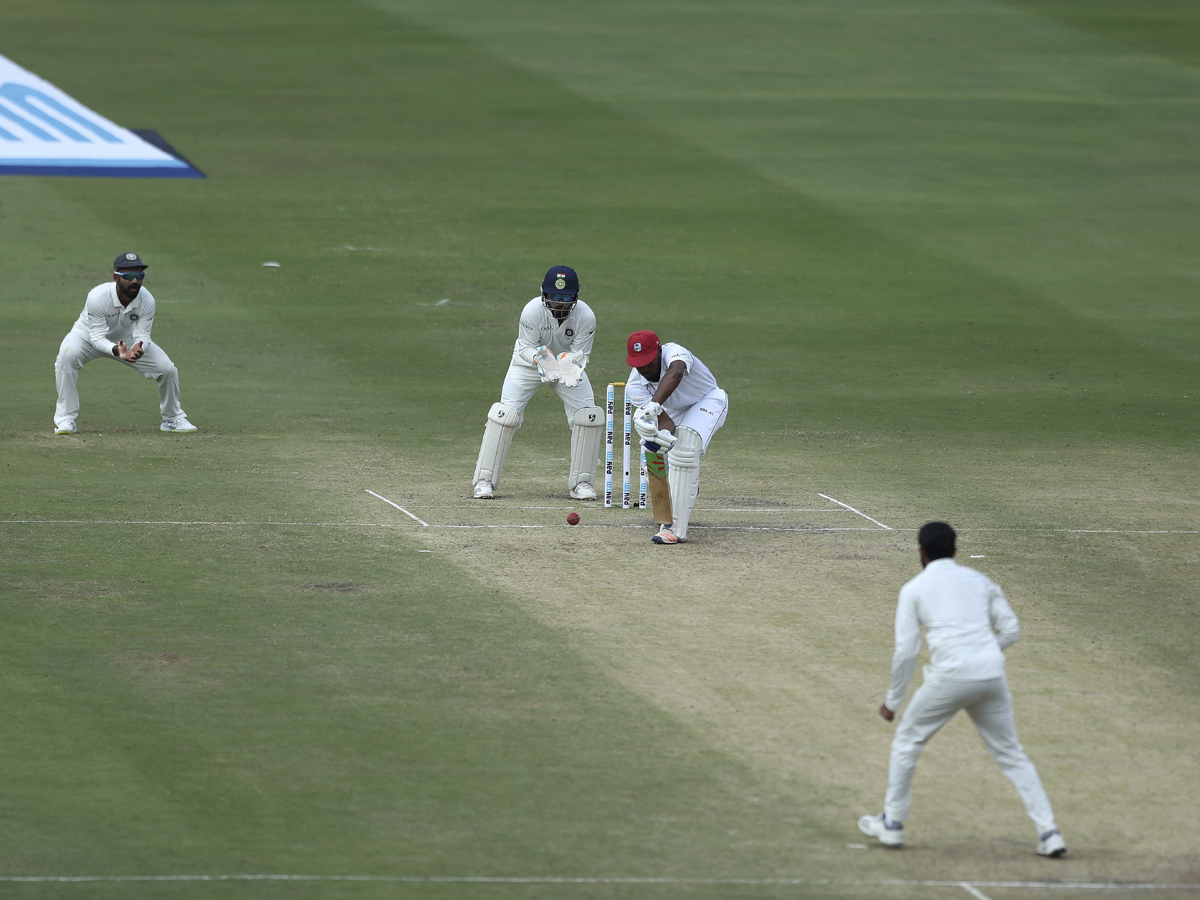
<point x="134" y="317"/>
<point x="570" y="332"/>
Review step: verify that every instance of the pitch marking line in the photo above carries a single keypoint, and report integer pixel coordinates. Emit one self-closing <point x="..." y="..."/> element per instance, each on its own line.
<point x="398" y="506"/>
<point x="972" y="887"/>
<point x="974" y="891"/>
<point x="853" y="510"/>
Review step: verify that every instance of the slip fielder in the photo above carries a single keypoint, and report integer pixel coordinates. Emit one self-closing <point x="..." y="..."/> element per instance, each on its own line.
<point x="554" y="340"/>
<point x="115" y="324"/>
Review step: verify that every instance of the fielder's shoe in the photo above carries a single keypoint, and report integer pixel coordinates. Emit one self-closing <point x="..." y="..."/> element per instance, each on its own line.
<point x="890" y="834"/>
<point x="583" y="491"/>
<point x="67" y="427"/>
<point x="667" y="536"/>
<point x="483" y="489"/>
<point x="177" y="426"/>
<point x="1051" y="844"/>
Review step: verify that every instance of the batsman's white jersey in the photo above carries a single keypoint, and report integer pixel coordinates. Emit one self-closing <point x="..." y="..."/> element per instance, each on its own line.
<point x="698" y="403"/>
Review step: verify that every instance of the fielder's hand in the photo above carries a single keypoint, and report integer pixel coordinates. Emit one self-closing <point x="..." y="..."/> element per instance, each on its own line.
<point x="127" y="354"/>
<point x="547" y="365"/>
<point x="886" y="714"/>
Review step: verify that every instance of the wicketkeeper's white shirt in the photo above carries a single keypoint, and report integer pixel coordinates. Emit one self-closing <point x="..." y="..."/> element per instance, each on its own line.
<point x="538" y="328"/>
<point x="967" y="622"/>
<point x="698" y="382"/>
<point x="104" y="321"/>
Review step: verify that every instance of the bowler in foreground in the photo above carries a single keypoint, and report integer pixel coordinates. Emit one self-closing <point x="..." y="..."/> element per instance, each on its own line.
<point x="968" y="624"/>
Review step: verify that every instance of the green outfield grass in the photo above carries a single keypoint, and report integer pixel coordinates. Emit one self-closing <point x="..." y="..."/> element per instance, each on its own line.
<point x="942" y="256"/>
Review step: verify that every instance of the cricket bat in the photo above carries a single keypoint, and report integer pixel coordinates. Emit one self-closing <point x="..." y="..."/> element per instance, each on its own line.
<point x="656" y="482"/>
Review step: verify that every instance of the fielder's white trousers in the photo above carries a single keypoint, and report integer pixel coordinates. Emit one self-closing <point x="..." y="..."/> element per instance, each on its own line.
<point x="77" y="350"/>
<point x="989" y="704"/>
<point x="522" y="382"/>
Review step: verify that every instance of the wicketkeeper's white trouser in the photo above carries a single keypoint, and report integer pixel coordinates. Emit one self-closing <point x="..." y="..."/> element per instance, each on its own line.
<point x="77" y="351"/>
<point x="989" y="704"/>
<point x="522" y="382"/>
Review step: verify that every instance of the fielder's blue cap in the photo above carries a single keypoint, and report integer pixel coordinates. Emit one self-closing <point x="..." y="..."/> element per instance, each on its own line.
<point x="128" y="261"/>
<point x="561" y="280"/>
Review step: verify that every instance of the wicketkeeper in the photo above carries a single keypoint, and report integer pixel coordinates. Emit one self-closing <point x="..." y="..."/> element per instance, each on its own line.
<point x="554" y="341"/>
<point x="680" y="408"/>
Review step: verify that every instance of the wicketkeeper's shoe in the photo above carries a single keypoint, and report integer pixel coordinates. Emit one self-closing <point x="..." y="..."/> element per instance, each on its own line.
<point x="890" y="834"/>
<point x="177" y="426"/>
<point x="667" y="536"/>
<point x="483" y="490"/>
<point x="583" y="491"/>
<point x="67" y="427"/>
<point x="1051" y="844"/>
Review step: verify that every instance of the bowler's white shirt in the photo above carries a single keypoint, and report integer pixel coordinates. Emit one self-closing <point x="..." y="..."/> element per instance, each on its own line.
<point x="967" y="622"/>
<point x="538" y="328"/>
<point x="698" y="382"/>
<point x="104" y="321"/>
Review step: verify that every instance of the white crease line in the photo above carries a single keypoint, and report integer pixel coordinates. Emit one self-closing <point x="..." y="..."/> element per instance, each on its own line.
<point x="853" y="510"/>
<point x="398" y="506"/>
<point x="533" y="879"/>
<point x="805" y="529"/>
<point x="970" y="889"/>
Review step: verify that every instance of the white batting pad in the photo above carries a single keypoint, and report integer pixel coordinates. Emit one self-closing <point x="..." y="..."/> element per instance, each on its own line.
<point x="502" y="424"/>
<point x="683" y="476"/>
<point x="587" y="431"/>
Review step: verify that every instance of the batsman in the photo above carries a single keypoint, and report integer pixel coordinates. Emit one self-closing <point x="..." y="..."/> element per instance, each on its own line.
<point x="680" y="408"/>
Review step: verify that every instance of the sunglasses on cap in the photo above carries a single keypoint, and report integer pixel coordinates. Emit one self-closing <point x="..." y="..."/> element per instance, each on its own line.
<point x="132" y="276"/>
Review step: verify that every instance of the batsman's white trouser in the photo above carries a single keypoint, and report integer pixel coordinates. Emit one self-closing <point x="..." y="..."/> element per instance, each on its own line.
<point x="706" y="417"/>
<point x="76" y="351"/>
<point x="989" y="704"/>
<point x="522" y="382"/>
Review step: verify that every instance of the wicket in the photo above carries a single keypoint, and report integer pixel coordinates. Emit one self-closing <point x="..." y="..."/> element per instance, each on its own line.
<point x="609" y="429"/>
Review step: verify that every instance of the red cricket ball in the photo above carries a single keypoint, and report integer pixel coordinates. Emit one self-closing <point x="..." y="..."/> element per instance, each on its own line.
<point x="573" y="518"/>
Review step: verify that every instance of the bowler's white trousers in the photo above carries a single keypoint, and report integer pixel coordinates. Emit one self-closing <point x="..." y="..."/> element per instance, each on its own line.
<point x="989" y="704"/>
<point x="77" y="350"/>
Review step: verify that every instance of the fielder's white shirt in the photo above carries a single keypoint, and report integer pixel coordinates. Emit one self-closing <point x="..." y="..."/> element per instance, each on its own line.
<point x="698" y="382"/>
<point x="538" y="328"/>
<point x="104" y="321"/>
<point x="967" y="622"/>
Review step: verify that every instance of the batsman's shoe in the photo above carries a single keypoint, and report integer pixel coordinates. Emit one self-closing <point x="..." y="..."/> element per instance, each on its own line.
<point x="667" y="536"/>
<point x="583" y="491"/>
<point x="483" y="490"/>
<point x="67" y="427"/>
<point x="890" y="834"/>
<point x="1051" y="844"/>
<point x="177" y="426"/>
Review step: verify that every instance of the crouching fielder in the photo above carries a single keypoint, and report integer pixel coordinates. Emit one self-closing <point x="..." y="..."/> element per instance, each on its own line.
<point x="115" y="324"/>
<point x="554" y="341"/>
<point x="680" y="408"/>
<point x="968" y="624"/>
